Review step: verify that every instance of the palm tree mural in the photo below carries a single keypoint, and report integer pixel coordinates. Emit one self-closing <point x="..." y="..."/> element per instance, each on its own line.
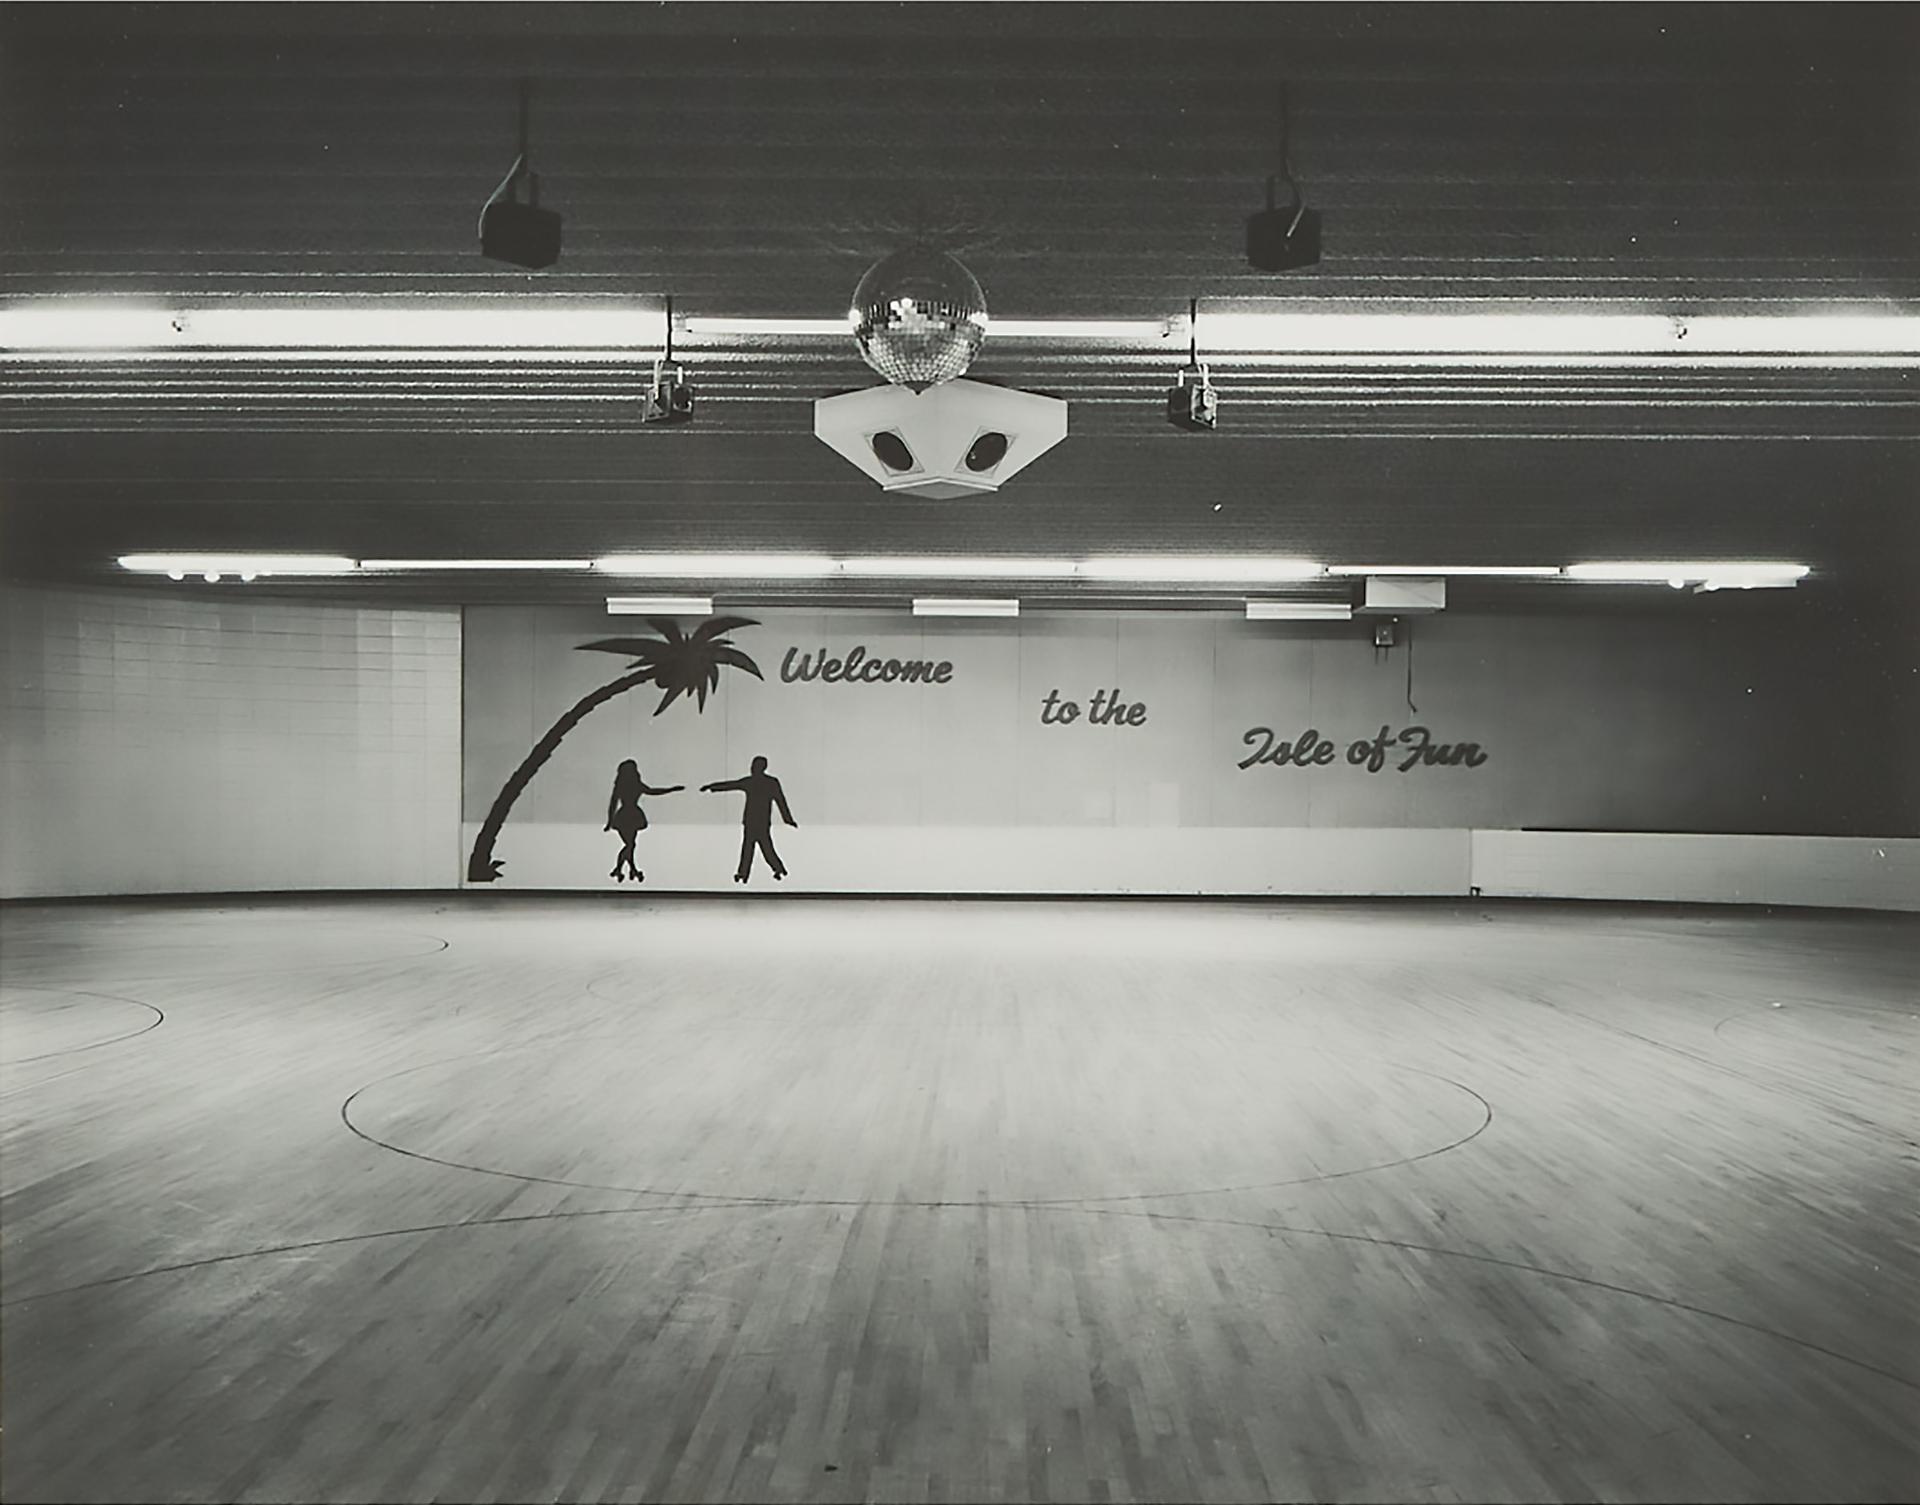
<point x="679" y="663"/>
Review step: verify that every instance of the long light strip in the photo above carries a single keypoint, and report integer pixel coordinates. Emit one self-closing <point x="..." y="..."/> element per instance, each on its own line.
<point x="177" y="565"/>
<point x="660" y="606"/>
<point x="957" y="606"/>
<point x="1135" y="568"/>
<point x="924" y="567"/>
<point x="620" y="330"/>
<point x="1512" y="570"/>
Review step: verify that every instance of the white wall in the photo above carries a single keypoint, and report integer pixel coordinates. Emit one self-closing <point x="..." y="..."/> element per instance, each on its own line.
<point x="163" y="742"/>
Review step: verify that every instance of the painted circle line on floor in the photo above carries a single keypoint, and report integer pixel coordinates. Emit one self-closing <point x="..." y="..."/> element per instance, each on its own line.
<point x="818" y="1122"/>
<point x="74" y="1022"/>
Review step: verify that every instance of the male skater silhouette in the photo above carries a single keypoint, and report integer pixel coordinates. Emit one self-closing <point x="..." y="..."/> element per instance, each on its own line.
<point x="763" y="792"/>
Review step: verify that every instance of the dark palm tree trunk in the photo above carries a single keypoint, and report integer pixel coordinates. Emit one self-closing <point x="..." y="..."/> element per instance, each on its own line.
<point x="481" y="866"/>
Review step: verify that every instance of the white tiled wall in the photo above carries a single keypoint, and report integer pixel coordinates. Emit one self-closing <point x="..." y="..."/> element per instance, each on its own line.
<point x="157" y="743"/>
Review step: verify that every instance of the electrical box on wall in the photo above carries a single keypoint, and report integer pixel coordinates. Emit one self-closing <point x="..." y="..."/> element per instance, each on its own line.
<point x="1403" y="595"/>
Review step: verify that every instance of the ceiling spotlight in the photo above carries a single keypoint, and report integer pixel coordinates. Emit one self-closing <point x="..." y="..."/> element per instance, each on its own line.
<point x="669" y="396"/>
<point x="524" y="234"/>
<point x="1283" y="238"/>
<point x="1191" y="401"/>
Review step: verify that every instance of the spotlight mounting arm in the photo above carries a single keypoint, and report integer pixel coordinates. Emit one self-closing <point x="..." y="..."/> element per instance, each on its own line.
<point x="519" y="162"/>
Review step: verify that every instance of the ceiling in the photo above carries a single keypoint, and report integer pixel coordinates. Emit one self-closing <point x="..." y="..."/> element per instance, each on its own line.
<point x="1085" y="161"/>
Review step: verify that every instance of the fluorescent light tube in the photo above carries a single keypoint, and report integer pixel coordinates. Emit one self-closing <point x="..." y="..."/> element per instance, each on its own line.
<point x="237" y="564"/>
<point x="954" y="606"/>
<point x="765" y="328"/>
<point x="1168" y="568"/>
<point x="55" y="324"/>
<point x="1510" y="570"/>
<point x="958" y="567"/>
<point x="52" y="325"/>
<point x="1568" y="334"/>
<point x="1684" y="570"/>
<point x="660" y="606"/>
<point x="719" y="566"/>
<point x="1064" y="330"/>
<point x="1298" y="611"/>
<point x="476" y="564"/>
<point x="1084" y="329"/>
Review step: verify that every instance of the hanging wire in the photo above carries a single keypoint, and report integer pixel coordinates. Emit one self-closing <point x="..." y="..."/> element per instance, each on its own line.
<point x="1285" y="114"/>
<point x="1410" y="705"/>
<point x="519" y="161"/>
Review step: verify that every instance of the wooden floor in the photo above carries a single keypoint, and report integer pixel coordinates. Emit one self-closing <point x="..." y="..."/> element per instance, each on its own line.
<point x="543" y="1199"/>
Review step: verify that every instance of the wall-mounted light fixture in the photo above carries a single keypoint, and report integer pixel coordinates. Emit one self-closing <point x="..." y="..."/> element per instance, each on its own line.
<point x="1298" y="611"/>
<point x="954" y="606"/>
<point x="660" y="606"/>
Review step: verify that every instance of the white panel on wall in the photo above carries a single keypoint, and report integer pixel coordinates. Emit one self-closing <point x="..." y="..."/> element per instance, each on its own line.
<point x="1833" y="871"/>
<point x="160" y="743"/>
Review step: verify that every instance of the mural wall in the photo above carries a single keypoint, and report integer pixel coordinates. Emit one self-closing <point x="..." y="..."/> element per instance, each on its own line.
<point x="1141" y="753"/>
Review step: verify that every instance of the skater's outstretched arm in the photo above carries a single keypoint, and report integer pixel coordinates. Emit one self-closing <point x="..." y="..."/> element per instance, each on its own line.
<point x="723" y="786"/>
<point x="670" y="789"/>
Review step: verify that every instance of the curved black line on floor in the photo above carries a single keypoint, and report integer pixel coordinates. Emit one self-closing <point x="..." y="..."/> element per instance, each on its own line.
<point x="768" y="1200"/>
<point x="1781" y="1088"/>
<point x="441" y="943"/>
<point x="159" y="1018"/>
<point x="1152" y="1217"/>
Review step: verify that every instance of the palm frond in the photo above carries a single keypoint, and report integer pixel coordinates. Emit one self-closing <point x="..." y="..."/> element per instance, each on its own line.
<point x="713" y="627"/>
<point x="646" y="650"/>
<point x="674" y="692"/>
<point x="669" y="629"/>
<point x="726" y="653"/>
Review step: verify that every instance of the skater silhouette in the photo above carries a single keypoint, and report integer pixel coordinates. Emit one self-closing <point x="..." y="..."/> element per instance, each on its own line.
<point x="625" y="815"/>
<point x="763" y="792"/>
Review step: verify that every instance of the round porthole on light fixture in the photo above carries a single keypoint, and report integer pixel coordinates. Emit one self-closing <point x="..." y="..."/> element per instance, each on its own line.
<point x="987" y="451"/>
<point x="892" y="450"/>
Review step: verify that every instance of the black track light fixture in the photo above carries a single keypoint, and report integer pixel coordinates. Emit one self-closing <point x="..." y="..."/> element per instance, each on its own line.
<point x="524" y="234"/>
<point x="669" y="396"/>
<point x="1191" y="400"/>
<point x="1284" y="237"/>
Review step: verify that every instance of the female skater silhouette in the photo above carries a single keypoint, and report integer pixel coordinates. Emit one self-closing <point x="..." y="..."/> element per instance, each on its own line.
<point x="625" y="815"/>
